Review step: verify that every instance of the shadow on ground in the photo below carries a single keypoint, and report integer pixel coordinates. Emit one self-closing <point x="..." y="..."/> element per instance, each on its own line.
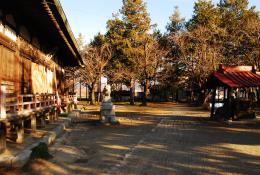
<point x="155" y="141"/>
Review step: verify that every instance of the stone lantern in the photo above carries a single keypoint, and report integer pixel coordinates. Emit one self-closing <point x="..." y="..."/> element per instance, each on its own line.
<point x="107" y="109"/>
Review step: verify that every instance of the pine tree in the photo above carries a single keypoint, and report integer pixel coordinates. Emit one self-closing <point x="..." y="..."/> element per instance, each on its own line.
<point x="177" y="23"/>
<point x="205" y="14"/>
<point x="127" y="36"/>
<point x="236" y="19"/>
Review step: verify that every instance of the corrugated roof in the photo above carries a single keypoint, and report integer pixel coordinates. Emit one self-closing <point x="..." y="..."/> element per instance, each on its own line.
<point x="234" y="77"/>
<point x="238" y="79"/>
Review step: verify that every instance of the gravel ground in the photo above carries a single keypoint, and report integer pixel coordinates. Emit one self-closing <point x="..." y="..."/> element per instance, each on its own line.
<point x="159" y="139"/>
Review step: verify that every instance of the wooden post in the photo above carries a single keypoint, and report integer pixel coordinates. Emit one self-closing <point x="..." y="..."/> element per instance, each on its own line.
<point x="20" y="132"/>
<point x="2" y="137"/>
<point x="231" y="110"/>
<point x="33" y="122"/>
<point x="213" y="103"/>
<point x="51" y="115"/>
<point x="56" y="114"/>
<point x="3" y="117"/>
<point x="225" y="93"/>
<point x="42" y="120"/>
<point x="2" y="105"/>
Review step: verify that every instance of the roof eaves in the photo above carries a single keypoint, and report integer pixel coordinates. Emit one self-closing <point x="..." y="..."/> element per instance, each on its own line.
<point x="73" y="45"/>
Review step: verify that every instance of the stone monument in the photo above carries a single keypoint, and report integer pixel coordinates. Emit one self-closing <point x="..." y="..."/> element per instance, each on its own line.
<point x="107" y="110"/>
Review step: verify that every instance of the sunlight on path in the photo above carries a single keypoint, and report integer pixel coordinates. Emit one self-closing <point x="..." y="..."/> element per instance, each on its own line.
<point x="163" y="139"/>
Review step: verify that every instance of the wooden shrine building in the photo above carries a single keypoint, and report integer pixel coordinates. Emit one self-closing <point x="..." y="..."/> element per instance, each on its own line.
<point x="36" y="44"/>
<point x="237" y="87"/>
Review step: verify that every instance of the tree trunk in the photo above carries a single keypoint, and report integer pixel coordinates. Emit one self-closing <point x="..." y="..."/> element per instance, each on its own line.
<point x="177" y="95"/>
<point x="132" y="92"/>
<point x="212" y="112"/>
<point x="172" y="95"/>
<point x="87" y="95"/>
<point x="80" y="90"/>
<point x="145" y="94"/>
<point x="92" y="94"/>
<point x="206" y="101"/>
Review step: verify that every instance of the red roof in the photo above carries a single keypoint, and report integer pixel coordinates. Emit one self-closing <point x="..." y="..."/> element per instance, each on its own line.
<point x="238" y="79"/>
<point x="235" y="77"/>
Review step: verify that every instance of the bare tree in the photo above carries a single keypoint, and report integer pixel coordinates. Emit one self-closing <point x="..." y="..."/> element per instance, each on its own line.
<point x="95" y="59"/>
<point x="150" y="63"/>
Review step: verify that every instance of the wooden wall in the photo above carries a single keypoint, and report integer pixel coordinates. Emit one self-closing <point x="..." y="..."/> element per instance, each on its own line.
<point x="23" y="67"/>
<point x="26" y="76"/>
<point x="9" y="73"/>
<point x="42" y="79"/>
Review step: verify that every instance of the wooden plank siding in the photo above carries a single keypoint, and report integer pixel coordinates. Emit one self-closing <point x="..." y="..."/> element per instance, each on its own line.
<point x="28" y="77"/>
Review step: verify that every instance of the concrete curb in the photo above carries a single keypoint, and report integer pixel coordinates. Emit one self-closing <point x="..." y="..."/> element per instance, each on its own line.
<point x="23" y="157"/>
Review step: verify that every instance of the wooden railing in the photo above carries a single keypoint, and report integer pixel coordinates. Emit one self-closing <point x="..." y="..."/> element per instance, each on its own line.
<point x="20" y="105"/>
<point x="27" y="104"/>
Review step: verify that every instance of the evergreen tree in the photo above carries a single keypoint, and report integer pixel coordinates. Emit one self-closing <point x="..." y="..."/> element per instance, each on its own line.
<point x="177" y="23"/>
<point x="205" y="14"/>
<point x="127" y="36"/>
<point x="236" y="18"/>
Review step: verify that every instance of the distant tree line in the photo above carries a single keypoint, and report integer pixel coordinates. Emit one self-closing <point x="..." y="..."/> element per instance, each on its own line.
<point x="133" y="50"/>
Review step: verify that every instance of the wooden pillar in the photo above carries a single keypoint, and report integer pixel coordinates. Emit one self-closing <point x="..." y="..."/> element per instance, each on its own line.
<point x="3" y="117"/>
<point x="2" y="137"/>
<point x="213" y="103"/>
<point x="68" y="108"/>
<point x="20" y="132"/>
<point x="33" y="123"/>
<point x="56" y="114"/>
<point x="50" y="116"/>
<point x="42" y="121"/>
<point x="231" y="110"/>
<point x="2" y="100"/>
<point x="225" y="93"/>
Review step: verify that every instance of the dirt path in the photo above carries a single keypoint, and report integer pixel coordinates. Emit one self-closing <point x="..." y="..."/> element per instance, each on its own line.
<point x="162" y="139"/>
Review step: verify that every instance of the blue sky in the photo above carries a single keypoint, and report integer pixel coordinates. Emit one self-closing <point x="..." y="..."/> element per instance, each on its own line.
<point x="90" y="16"/>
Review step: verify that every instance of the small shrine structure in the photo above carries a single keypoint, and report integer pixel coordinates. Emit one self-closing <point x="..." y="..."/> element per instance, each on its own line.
<point x="237" y="88"/>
